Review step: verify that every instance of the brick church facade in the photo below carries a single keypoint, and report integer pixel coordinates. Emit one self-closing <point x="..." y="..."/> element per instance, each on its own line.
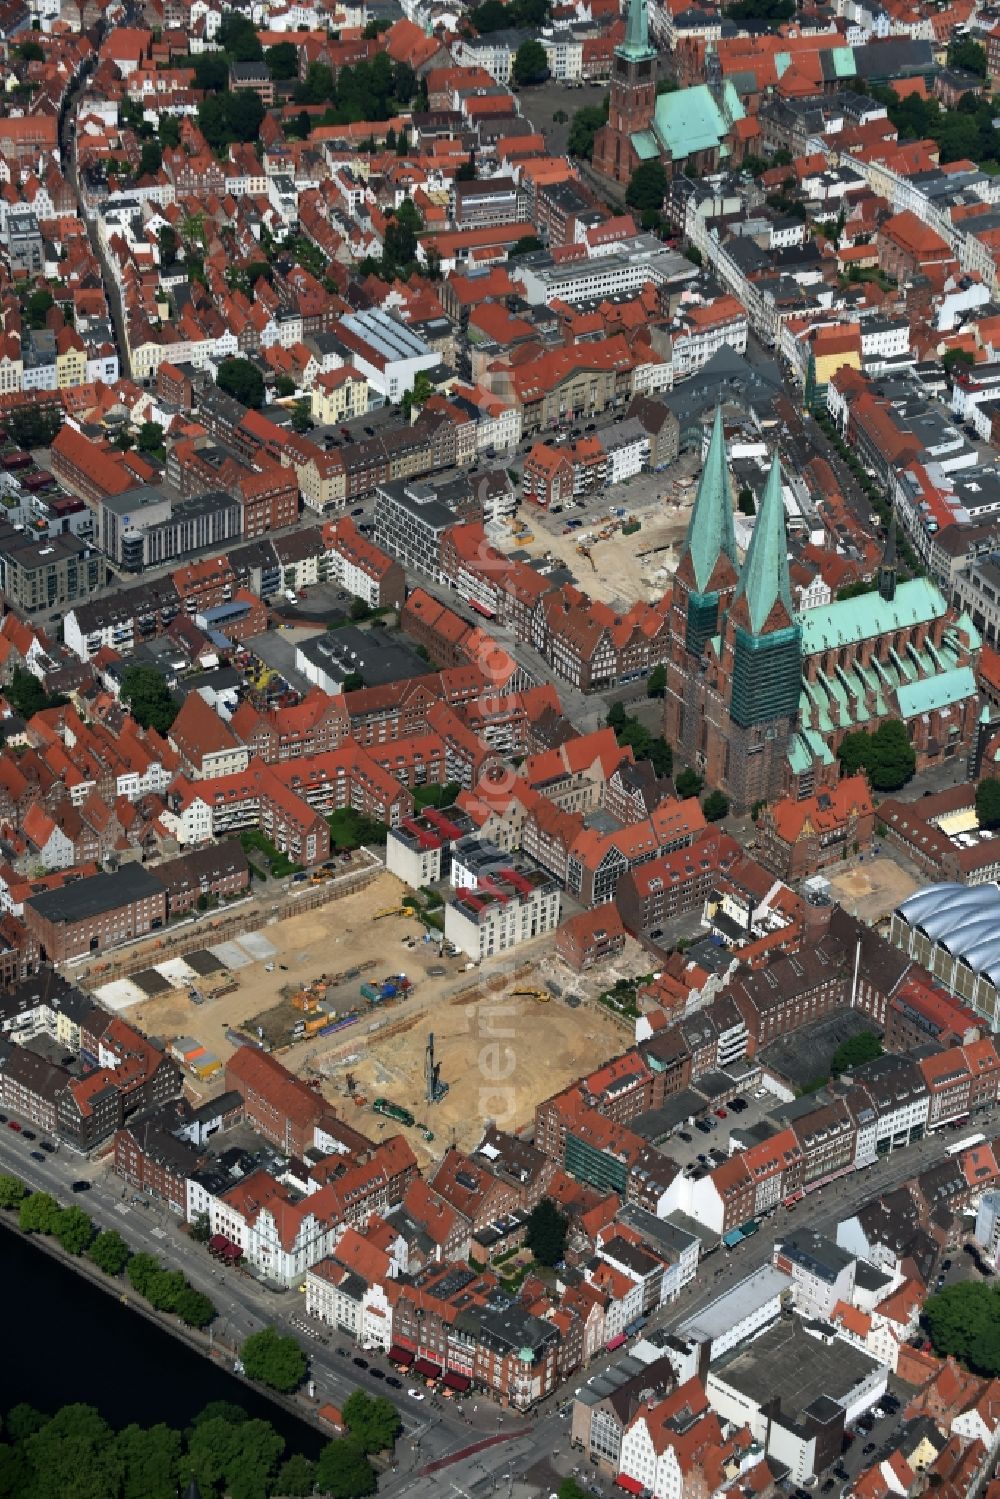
<point x="758" y="698"/>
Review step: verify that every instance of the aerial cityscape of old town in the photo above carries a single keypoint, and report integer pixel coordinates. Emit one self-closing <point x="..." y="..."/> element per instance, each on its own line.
<point x="500" y="749"/>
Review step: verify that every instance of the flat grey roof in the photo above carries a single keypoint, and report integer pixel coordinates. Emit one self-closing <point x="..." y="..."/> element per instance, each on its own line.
<point x="787" y="1364"/>
<point x="723" y="1313"/>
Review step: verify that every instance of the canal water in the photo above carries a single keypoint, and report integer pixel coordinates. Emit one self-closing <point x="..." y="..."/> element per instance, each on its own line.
<point x="69" y="1341"/>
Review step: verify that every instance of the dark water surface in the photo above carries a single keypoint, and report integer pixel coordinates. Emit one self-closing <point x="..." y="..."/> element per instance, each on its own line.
<point x="67" y="1341"/>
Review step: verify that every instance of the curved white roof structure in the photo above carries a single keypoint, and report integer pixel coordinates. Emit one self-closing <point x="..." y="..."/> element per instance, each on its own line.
<point x="963" y="919"/>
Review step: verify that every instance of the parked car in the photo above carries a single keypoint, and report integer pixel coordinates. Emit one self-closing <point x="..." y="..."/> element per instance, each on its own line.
<point x="13" y="1124"/>
<point x="48" y="1147"/>
<point x="376" y="1373"/>
<point x="683" y="1135"/>
<point x="29" y="1134"/>
<point x="393" y="1382"/>
<point x="36" y="1155"/>
<point x="80" y="1186"/>
<point x="721" y="1114"/>
<point x="360" y="1363"/>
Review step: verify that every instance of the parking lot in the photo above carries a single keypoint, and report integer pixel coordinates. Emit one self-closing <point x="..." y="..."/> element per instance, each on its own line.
<point x="711" y="1133"/>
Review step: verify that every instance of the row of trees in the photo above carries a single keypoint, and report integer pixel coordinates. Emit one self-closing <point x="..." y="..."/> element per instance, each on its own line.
<point x="165" y="1290"/>
<point x="77" y="1452"/>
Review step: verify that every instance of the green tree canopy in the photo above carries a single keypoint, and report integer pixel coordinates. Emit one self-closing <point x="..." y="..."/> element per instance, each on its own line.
<point x="74" y="1453"/>
<point x="149" y="699"/>
<point x="372" y="1420"/>
<point x="149" y="1461"/>
<point x="967" y="55"/>
<point x="296" y="1476"/>
<point x="531" y="64"/>
<point x="546" y="1233"/>
<point x="584" y="126"/>
<point x="151" y="159"/>
<point x="169" y="129"/>
<point x="37" y="306"/>
<point x="344" y="1472"/>
<point x="109" y="1252"/>
<point x="22" y="1421"/>
<point x="194" y="1308"/>
<point x="963" y="1320"/>
<point x="150" y="438"/>
<point x="74" y="1230"/>
<point x="27" y="696"/>
<point x="274" y="1360"/>
<point x="526" y="245"/>
<point x="31" y="427"/>
<point x="168" y="242"/>
<point x="988" y="803"/>
<point x="140" y="1271"/>
<point x="243" y="381"/>
<point x="956" y="359"/>
<point x="688" y="782"/>
<point x="283" y="61"/>
<point x="39" y="1214"/>
<point x="887" y="756"/>
<point x="862" y="1048"/>
<point x="656" y="682"/>
<point x="761" y="10"/>
<point x="715" y="806"/>
<point x="12" y="1191"/>
<point x="647" y="187"/>
<point x="211" y="72"/>
<point x="238" y="36"/>
<point x="242" y="1456"/>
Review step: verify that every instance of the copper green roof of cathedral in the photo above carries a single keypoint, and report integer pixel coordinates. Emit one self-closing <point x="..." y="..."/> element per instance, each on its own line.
<point x="635" y="47"/>
<point x="764" y="578"/>
<point x="711" y="530"/>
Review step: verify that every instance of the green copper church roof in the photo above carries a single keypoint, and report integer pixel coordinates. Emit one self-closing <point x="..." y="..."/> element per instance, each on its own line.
<point x="646" y="146"/>
<point x="690" y="120"/>
<point x="868" y="616"/>
<point x="938" y="691"/>
<point x="711" y="530"/>
<point x="764" y="578"/>
<point x="635" y="47"/>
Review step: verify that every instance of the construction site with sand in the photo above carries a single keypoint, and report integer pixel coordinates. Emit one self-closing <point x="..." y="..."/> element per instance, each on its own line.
<point x="348" y="994"/>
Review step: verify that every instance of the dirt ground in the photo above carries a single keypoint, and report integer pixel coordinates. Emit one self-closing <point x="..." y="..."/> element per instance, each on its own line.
<point x="625" y="568"/>
<point x="329" y="939"/>
<point x="873" y="889"/>
<point x="499" y="1054"/>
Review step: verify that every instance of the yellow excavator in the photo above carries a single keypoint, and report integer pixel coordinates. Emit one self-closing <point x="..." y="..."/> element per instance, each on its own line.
<point x="393" y="911"/>
<point x="542" y="995"/>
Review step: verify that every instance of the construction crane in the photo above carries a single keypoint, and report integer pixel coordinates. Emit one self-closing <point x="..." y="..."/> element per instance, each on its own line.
<point x="393" y="911"/>
<point x="542" y="995"/>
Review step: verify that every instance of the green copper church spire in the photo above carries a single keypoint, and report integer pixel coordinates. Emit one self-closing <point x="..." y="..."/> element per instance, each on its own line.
<point x="764" y="578"/>
<point x="636" y="46"/>
<point x="710" y="530"/>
